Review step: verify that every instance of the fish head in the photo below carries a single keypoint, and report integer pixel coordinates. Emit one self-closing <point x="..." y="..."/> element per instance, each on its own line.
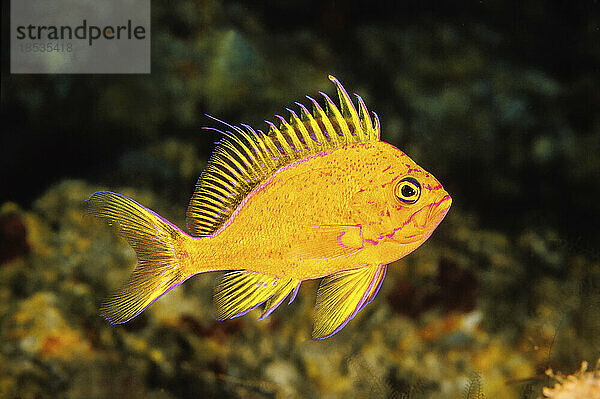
<point x="415" y="201"/>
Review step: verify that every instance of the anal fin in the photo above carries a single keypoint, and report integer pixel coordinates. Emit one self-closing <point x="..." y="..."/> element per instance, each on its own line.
<point x="239" y="292"/>
<point x="342" y="295"/>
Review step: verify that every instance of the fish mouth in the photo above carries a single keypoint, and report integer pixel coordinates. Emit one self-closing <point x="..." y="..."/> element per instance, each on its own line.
<point x="434" y="213"/>
<point x="427" y="219"/>
<point x="440" y="209"/>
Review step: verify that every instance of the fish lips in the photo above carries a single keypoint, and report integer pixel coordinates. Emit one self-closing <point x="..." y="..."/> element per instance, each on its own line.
<point x="430" y="216"/>
<point x="427" y="219"/>
<point x="439" y="210"/>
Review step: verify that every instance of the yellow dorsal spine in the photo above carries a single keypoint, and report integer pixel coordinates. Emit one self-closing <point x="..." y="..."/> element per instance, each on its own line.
<point x="276" y="133"/>
<point x="299" y="125"/>
<point x="347" y="108"/>
<point x="332" y="109"/>
<point x="291" y="133"/>
<point x="247" y="157"/>
<point x="322" y="116"/>
<point x="319" y="137"/>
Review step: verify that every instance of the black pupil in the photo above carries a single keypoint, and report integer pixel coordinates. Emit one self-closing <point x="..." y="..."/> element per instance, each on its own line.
<point x="407" y="191"/>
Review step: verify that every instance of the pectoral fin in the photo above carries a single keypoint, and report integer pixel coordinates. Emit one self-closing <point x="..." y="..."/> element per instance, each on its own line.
<point x="239" y="292"/>
<point x="342" y="295"/>
<point x="329" y="241"/>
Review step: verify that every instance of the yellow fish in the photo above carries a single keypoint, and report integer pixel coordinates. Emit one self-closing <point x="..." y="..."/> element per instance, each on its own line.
<point x="319" y="196"/>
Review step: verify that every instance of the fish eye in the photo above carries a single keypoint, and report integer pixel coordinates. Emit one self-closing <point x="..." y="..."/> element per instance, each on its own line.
<point x="408" y="190"/>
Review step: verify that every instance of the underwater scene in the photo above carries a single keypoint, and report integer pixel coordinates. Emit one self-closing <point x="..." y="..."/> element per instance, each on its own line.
<point x="237" y="223"/>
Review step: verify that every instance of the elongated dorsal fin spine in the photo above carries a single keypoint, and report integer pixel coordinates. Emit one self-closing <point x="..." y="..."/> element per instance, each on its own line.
<point x="322" y="117"/>
<point x="375" y="131"/>
<point x="363" y="115"/>
<point x="347" y="108"/>
<point x="245" y="157"/>
<point x="343" y="131"/>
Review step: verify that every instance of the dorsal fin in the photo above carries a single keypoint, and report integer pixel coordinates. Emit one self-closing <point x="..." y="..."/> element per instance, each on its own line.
<point x="246" y="157"/>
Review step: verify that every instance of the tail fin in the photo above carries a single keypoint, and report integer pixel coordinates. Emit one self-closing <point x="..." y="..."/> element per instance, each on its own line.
<point x="154" y="241"/>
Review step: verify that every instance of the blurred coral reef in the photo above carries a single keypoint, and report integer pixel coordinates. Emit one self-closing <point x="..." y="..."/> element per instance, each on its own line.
<point x="501" y="110"/>
<point x="459" y="327"/>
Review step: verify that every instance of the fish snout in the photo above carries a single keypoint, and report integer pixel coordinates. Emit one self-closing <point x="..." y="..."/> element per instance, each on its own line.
<point x="440" y="209"/>
<point x="428" y="217"/>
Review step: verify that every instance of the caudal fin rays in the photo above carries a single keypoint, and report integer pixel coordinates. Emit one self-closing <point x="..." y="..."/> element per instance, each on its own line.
<point x="153" y="239"/>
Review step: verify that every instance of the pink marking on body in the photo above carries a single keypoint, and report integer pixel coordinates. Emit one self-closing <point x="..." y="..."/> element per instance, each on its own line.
<point x="390" y="235"/>
<point x="432" y="188"/>
<point x="261" y="187"/>
<point x="447" y="197"/>
<point x="411" y="216"/>
<point x="339" y="240"/>
<point x="390" y="182"/>
<point x="386" y="169"/>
